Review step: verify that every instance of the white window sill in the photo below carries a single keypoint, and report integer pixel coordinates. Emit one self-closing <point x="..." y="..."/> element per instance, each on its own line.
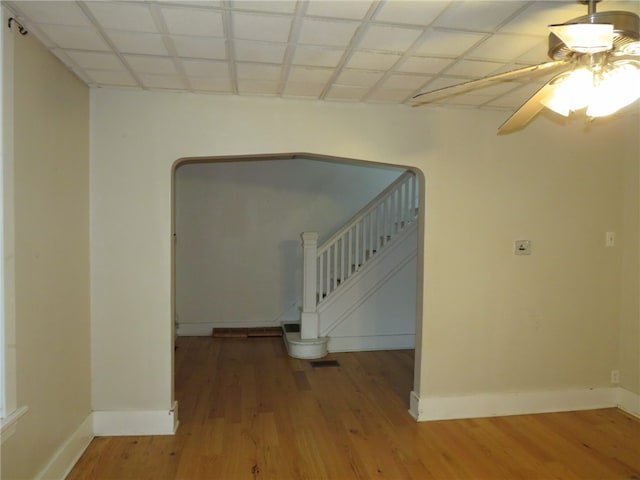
<point x="9" y="424"/>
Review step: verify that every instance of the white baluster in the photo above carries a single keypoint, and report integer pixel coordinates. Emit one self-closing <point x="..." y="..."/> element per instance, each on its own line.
<point x="309" y="317"/>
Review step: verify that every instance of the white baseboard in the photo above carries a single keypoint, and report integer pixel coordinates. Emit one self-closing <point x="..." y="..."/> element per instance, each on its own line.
<point x="502" y="404"/>
<point x="68" y="454"/>
<point x="135" y="422"/>
<point x="372" y="342"/>
<point x="628" y="401"/>
<point x="205" y="329"/>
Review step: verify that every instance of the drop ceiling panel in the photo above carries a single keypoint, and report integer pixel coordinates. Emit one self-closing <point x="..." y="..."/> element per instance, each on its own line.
<point x="270" y="28"/>
<point x="139" y="43"/>
<point x="55" y="13"/>
<point x="95" y="60"/>
<point x="204" y="68"/>
<point x="192" y="21"/>
<point x="354" y="10"/>
<point x="324" y="32"/>
<point x="411" y="13"/>
<point x="504" y="47"/>
<point x="395" y="39"/>
<point x="481" y="16"/>
<point x="200" y="47"/>
<point x="246" y="51"/>
<point x="346" y="50"/>
<point x="134" y="18"/>
<point x="446" y="43"/>
<point x="149" y="64"/>
<point x="373" y="60"/>
<point x="318" y="57"/>
<point x="80" y="38"/>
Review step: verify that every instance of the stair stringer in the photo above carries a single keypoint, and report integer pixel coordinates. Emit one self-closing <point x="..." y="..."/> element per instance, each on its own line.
<point x="344" y="303"/>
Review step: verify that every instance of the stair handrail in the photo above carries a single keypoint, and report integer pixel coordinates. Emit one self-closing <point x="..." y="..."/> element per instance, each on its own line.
<point x="364" y="211"/>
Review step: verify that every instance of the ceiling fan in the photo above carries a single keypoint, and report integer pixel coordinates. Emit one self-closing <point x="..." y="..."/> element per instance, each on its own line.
<point x="596" y="59"/>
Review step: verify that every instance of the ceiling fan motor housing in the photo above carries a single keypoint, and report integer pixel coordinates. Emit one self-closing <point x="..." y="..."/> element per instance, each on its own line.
<point x="626" y="29"/>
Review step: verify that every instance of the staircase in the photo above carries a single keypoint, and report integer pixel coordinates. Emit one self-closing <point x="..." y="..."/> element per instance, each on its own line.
<point x="353" y="265"/>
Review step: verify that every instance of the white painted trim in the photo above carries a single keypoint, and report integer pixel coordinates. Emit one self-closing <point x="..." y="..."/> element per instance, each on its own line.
<point x="9" y="424"/>
<point x="372" y="342"/>
<point x="502" y="404"/>
<point x="69" y="452"/>
<point x="628" y="401"/>
<point x="135" y="422"/>
<point x="205" y="329"/>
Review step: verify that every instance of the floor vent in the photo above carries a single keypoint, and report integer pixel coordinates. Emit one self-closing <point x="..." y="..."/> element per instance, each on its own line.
<point x="324" y="363"/>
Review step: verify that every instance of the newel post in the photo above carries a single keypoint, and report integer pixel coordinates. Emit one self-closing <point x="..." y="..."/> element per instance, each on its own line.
<point x="309" y="318"/>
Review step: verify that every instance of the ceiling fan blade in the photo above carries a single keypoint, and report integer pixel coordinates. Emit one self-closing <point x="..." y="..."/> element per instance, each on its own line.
<point x="585" y="37"/>
<point x="428" y="97"/>
<point x="529" y="109"/>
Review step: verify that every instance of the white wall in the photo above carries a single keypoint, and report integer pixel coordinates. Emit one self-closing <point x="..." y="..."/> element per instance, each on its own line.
<point x="46" y="201"/>
<point x="238" y="225"/>
<point x="492" y="322"/>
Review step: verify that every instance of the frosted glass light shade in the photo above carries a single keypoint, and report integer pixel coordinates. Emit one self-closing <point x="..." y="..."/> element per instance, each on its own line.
<point x="573" y="92"/>
<point x="618" y="88"/>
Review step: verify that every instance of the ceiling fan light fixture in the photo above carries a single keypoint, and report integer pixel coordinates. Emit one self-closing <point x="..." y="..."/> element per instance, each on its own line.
<point x="585" y="37"/>
<point x="619" y="87"/>
<point x="571" y="93"/>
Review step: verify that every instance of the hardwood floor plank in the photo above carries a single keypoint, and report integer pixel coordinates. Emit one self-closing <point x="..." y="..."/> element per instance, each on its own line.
<point x="248" y="411"/>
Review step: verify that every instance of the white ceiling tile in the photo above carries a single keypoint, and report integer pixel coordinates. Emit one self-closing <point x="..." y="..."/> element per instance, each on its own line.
<point x="479" y="16"/>
<point x="270" y="28"/>
<point x="303" y="89"/>
<point x="200" y="47"/>
<point x="95" y="60"/>
<point x="346" y="93"/>
<point x="206" y="68"/>
<point x="324" y="32"/>
<point x="424" y="65"/>
<point x="404" y="82"/>
<point x="172" y="82"/>
<point x="111" y="78"/>
<point x="537" y="54"/>
<point x="257" y="87"/>
<point x="257" y="71"/>
<point x="265" y="6"/>
<point x="504" y="47"/>
<point x="355" y="10"/>
<point x="373" y="61"/>
<point x="317" y="56"/>
<point x="193" y="21"/>
<point x="56" y="13"/>
<point x="209" y="84"/>
<point x="310" y="75"/>
<point x="389" y="96"/>
<point x="395" y="39"/>
<point x="119" y="16"/>
<point x="80" y="38"/>
<point x="195" y="3"/>
<point x="148" y="64"/>
<point x="473" y="68"/>
<point x="259" y="52"/>
<point x="468" y="100"/>
<point x="439" y="43"/>
<point x="139" y="43"/>
<point x="356" y="78"/>
<point x="411" y="12"/>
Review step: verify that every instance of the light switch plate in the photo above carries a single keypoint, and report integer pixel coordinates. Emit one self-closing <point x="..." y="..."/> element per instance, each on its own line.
<point x="522" y="247"/>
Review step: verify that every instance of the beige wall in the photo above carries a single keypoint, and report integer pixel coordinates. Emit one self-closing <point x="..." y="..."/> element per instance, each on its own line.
<point x="629" y="363"/>
<point x="50" y="181"/>
<point x="493" y="322"/>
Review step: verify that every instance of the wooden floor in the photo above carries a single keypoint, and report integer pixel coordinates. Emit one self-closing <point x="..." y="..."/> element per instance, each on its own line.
<point x="247" y="411"/>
